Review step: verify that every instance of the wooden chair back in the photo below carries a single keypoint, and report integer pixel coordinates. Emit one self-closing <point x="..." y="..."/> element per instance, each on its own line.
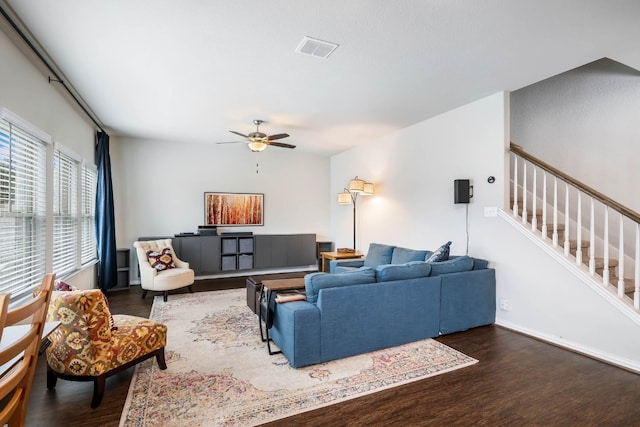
<point x="21" y="333"/>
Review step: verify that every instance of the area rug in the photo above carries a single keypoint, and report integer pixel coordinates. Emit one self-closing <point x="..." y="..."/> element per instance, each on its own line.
<point x="220" y="374"/>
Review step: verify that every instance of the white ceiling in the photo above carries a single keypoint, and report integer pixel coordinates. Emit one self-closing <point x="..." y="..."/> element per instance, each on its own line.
<point x="191" y="70"/>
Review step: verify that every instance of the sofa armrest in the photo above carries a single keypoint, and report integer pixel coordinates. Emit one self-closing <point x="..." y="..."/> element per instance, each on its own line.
<point x="350" y="263"/>
<point x="467" y="300"/>
<point x="295" y="331"/>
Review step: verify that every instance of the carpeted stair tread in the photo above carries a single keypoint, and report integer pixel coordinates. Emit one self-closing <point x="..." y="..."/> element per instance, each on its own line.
<point x="629" y="284"/>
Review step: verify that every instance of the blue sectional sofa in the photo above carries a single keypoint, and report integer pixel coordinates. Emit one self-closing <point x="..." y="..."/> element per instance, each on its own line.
<point x="370" y="308"/>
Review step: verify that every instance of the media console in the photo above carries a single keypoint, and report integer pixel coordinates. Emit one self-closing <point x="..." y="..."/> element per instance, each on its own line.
<point x="210" y="255"/>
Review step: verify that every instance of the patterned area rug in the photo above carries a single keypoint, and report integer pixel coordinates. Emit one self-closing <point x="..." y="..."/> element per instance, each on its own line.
<point x="220" y="374"/>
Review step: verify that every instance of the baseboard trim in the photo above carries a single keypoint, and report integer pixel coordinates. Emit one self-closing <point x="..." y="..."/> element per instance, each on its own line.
<point x="611" y="359"/>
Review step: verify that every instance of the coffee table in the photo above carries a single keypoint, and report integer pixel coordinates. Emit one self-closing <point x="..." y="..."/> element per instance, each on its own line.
<point x="268" y="301"/>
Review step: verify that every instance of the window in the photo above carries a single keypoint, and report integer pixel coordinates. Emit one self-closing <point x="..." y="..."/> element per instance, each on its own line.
<point x="65" y="213"/>
<point x="23" y="213"/>
<point x="88" y="242"/>
<point x="40" y="211"/>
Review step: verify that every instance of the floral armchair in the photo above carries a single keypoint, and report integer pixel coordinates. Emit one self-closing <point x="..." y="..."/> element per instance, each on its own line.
<point x="90" y="344"/>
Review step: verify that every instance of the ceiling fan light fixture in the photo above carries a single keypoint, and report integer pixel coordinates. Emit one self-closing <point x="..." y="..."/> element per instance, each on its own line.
<point x="257" y="146"/>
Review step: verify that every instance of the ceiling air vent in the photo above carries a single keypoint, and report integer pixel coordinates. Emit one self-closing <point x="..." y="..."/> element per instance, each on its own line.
<point x="315" y="47"/>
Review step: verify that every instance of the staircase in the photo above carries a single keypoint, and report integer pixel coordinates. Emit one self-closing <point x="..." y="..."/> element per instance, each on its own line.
<point x="584" y="258"/>
<point x="585" y="226"/>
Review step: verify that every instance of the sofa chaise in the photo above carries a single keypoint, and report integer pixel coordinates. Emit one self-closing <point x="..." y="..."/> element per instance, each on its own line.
<point x="369" y="308"/>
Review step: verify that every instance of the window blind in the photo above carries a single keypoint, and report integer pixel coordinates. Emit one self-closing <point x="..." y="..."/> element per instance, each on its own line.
<point x="65" y="213"/>
<point x="23" y="164"/>
<point x="88" y="241"/>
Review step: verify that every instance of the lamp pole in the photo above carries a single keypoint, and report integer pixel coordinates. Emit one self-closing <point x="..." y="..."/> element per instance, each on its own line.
<point x="350" y="194"/>
<point x="354" y="196"/>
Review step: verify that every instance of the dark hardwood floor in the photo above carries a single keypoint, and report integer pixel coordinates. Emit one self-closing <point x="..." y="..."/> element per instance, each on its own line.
<point x="519" y="381"/>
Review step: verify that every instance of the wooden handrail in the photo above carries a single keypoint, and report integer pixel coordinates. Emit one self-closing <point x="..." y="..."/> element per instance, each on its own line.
<point x="635" y="216"/>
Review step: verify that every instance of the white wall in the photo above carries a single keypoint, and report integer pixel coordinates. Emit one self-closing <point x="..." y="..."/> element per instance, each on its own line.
<point x="585" y="123"/>
<point x="414" y="172"/>
<point x="25" y="90"/>
<point x="159" y="187"/>
<point x="550" y="302"/>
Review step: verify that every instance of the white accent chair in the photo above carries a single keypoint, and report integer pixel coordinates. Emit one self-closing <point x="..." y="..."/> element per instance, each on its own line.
<point x="165" y="280"/>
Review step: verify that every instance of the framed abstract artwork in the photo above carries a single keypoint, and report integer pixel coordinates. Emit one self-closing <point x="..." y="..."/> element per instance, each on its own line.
<point x="233" y="209"/>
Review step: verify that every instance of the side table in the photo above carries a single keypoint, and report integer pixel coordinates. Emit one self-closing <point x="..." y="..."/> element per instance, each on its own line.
<point x="338" y="255"/>
<point x="268" y="301"/>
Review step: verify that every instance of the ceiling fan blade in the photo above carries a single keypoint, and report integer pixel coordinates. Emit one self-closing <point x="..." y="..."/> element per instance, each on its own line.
<point x="280" y="144"/>
<point x="278" y="136"/>
<point x="230" y="142"/>
<point x="238" y="133"/>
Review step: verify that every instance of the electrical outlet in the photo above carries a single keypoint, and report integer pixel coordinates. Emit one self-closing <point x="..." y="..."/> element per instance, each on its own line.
<point x="505" y="305"/>
<point x="491" y="211"/>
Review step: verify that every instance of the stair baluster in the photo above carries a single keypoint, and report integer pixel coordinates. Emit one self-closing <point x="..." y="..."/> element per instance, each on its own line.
<point x="605" y="271"/>
<point x="515" y="186"/>
<point x="621" y="259"/>
<point x="534" y="199"/>
<point x="555" y="212"/>
<point x="592" y="241"/>
<point x="636" y="293"/>
<point x="524" y="192"/>
<point x="579" y="230"/>
<point x="567" y="246"/>
<point x="545" y="228"/>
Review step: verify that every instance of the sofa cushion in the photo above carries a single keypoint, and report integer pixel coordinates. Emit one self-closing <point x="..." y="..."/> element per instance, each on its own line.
<point x="378" y="254"/>
<point x="410" y="270"/>
<point x="454" y="265"/>
<point x="440" y="254"/>
<point x="315" y="281"/>
<point x="404" y="255"/>
<point x="480" y="264"/>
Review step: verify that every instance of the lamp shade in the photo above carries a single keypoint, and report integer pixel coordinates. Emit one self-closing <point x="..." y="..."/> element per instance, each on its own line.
<point x="356" y="185"/>
<point x="368" y="189"/>
<point x="257" y="146"/>
<point x="344" y="198"/>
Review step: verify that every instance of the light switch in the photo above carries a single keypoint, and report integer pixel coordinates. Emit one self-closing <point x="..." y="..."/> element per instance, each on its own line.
<point x="491" y="211"/>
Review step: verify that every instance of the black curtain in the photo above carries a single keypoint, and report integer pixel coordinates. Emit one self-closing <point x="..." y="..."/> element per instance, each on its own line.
<point x="105" y="221"/>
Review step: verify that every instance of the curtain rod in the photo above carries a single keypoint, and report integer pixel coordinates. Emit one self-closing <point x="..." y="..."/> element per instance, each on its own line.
<point x="56" y="78"/>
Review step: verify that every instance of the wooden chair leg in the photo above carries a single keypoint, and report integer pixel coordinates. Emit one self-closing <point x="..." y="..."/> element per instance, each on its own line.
<point x="98" y="390"/>
<point x="144" y="293"/>
<point x="165" y="295"/>
<point x="162" y="364"/>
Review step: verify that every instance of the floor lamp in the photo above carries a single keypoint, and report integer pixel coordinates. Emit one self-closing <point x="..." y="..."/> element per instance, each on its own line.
<point x="350" y="196"/>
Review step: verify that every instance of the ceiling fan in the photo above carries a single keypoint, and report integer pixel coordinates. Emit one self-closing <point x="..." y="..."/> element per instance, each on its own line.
<point x="258" y="141"/>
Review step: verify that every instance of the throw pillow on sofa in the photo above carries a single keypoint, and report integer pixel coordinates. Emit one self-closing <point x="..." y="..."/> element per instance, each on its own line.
<point x="314" y="282"/>
<point x="440" y="254"/>
<point x="410" y="270"/>
<point x="378" y="254"/>
<point x="404" y="255"/>
<point x="453" y="265"/>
